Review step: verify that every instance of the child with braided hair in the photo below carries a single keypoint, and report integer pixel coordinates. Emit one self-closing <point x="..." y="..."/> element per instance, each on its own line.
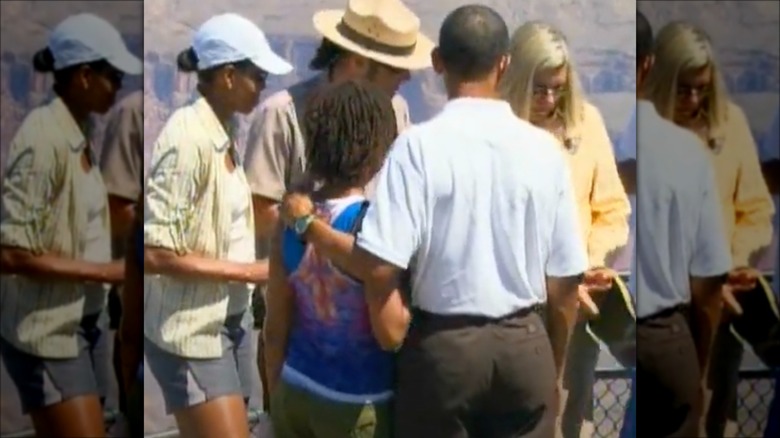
<point x="327" y="374"/>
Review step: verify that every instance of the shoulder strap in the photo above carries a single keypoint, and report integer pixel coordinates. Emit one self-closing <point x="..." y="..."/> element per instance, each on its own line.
<point x="357" y="225"/>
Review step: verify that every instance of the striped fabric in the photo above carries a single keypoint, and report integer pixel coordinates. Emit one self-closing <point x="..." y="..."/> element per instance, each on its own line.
<point x="602" y="202"/>
<point x="43" y="213"/>
<point x="186" y="211"/>
<point x="747" y="204"/>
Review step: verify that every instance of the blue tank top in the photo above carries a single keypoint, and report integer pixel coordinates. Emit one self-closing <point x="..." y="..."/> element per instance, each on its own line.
<point x="331" y="350"/>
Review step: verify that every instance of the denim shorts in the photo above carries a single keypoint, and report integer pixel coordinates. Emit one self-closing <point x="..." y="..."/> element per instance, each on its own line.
<point x="42" y="382"/>
<point x="186" y="382"/>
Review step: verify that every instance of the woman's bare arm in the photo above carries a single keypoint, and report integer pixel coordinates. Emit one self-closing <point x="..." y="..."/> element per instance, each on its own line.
<point x="52" y="267"/>
<point x="336" y="246"/>
<point x="280" y="303"/>
<point x="194" y="267"/>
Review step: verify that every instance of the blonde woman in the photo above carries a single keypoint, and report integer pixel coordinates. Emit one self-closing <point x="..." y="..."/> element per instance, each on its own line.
<point x="542" y="87"/>
<point x="56" y="235"/>
<point x="199" y="236"/>
<point x="686" y="86"/>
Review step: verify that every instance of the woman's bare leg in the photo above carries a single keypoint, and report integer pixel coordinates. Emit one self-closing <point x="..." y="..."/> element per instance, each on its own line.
<point x="77" y="417"/>
<point x="221" y="417"/>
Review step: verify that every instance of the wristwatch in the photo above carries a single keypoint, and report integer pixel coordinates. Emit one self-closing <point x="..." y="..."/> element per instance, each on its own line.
<point x="301" y="224"/>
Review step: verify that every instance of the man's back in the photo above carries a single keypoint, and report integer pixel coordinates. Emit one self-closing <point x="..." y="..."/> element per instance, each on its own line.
<point x="679" y="228"/>
<point x="495" y="192"/>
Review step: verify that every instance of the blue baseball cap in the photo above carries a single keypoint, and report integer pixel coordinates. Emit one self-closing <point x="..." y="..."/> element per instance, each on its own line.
<point x="230" y="38"/>
<point x="85" y="38"/>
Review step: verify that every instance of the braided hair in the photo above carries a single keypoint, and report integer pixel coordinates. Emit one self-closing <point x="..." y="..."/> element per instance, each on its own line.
<point x="348" y="130"/>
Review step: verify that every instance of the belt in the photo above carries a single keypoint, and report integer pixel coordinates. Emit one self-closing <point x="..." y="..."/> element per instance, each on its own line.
<point x="470" y="319"/>
<point x="665" y="313"/>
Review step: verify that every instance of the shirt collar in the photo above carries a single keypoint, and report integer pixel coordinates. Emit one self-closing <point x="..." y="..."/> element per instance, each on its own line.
<point x="70" y="130"/>
<point x="477" y="104"/>
<point x="220" y="138"/>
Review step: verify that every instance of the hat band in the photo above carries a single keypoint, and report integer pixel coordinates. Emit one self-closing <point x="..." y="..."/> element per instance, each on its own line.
<point x="372" y="44"/>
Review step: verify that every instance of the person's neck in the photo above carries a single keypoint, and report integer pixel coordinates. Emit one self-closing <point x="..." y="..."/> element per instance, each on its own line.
<point x="223" y="113"/>
<point x="79" y="113"/>
<point x="475" y="90"/>
<point x="330" y="191"/>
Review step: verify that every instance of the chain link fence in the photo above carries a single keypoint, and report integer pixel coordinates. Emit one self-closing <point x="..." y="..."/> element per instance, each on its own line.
<point x="613" y="389"/>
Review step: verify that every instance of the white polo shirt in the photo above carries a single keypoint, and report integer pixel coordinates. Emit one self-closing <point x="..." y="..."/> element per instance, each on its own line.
<point x="769" y="150"/>
<point x="483" y="201"/>
<point x="679" y="225"/>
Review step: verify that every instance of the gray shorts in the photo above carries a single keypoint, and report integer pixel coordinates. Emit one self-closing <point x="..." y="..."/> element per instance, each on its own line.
<point x="43" y="382"/>
<point x="186" y="382"/>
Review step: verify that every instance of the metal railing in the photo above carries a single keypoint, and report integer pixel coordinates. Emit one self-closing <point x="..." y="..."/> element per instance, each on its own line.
<point x="613" y="389"/>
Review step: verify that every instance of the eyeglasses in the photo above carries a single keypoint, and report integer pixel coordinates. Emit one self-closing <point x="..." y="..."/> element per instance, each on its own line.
<point x="544" y="91"/>
<point x="700" y="91"/>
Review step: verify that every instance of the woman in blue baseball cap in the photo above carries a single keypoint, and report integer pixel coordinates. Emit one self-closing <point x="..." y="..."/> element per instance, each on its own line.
<point x="55" y="233"/>
<point x="199" y="236"/>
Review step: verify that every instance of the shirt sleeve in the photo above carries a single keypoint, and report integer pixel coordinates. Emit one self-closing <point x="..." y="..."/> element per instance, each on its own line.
<point x="753" y="204"/>
<point x="269" y="153"/>
<point x="625" y="147"/>
<point x="31" y="180"/>
<point x="770" y="146"/>
<point x="122" y="158"/>
<point x="395" y="222"/>
<point x="175" y="180"/>
<point x="568" y="255"/>
<point x="711" y="255"/>
<point x="610" y="207"/>
<point x="402" y="117"/>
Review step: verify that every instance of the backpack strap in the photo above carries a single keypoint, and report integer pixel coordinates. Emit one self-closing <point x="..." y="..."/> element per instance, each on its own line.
<point x="357" y="225"/>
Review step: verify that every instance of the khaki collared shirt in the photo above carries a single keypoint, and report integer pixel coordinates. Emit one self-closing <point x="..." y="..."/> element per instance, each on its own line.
<point x="745" y="198"/>
<point x="603" y="205"/>
<point x="44" y="212"/>
<point x="186" y="211"/>
<point x="122" y="156"/>
<point x="275" y="154"/>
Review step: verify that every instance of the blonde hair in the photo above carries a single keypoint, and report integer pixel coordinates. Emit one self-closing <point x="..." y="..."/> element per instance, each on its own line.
<point x="538" y="46"/>
<point x="681" y="47"/>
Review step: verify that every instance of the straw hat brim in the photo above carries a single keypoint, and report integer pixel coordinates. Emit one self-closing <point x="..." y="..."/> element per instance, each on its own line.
<point x="326" y="23"/>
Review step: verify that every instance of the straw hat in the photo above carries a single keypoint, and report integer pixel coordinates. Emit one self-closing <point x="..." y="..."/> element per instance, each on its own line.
<point x="383" y="30"/>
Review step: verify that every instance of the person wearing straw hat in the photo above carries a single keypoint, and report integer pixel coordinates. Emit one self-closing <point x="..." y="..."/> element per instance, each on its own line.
<point x="121" y="164"/>
<point x="55" y="232"/>
<point x="680" y="262"/>
<point x="490" y="319"/>
<point x="199" y="235"/>
<point x="376" y="40"/>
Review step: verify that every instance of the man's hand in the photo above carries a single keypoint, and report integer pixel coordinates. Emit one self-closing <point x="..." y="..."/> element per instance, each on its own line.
<point x="596" y="281"/>
<point x="294" y="206"/>
<point x="743" y="279"/>
<point x="587" y="308"/>
<point x="599" y="279"/>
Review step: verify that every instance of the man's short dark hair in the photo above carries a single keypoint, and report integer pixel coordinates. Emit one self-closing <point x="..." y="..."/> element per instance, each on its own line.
<point x="644" y="38"/>
<point x="472" y="40"/>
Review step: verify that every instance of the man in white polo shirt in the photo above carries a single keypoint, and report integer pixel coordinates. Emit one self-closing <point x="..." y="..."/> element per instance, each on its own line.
<point x="483" y="202"/>
<point x="679" y="265"/>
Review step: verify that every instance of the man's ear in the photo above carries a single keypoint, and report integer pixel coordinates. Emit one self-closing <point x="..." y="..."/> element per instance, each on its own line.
<point x="438" y="65"/>
<point x="229" y="76"/>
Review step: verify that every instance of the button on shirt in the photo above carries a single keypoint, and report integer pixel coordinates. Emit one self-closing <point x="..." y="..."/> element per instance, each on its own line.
<point x="680" y="230"/>
<point x="484" y="203"/>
